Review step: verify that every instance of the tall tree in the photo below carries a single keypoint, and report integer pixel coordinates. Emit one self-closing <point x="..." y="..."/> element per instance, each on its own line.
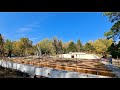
<point x="71" y="47"/>
<point x="17" y="51"/>
<point x="25" y="44"/>
<point x="79" y="46"/>
<point x="101" y="45"/>
<point x="113" y="50"/>
<point x="88" y="47"/>
<point x="114" y="32"/>
<point x="65" y="46"/>
<point x="57" y="46"/>
<point x="46" y="46"/>
<point x="8" y="47"/>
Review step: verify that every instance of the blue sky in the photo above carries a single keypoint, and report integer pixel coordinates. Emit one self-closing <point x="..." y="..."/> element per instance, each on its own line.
<point x="66" y="26"/>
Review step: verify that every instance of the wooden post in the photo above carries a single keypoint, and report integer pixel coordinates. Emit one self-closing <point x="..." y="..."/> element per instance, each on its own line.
<point x="76" y="62"/>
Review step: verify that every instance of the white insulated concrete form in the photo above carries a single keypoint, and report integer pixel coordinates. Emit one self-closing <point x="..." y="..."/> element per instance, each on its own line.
<point x="79" y="55"/>
<point x="45" y="71"/>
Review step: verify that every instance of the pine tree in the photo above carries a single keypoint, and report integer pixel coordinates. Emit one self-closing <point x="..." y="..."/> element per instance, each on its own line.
<point x="8" y="47"/>
<point x="71" y="47"/>
<point x="79" y="46"/>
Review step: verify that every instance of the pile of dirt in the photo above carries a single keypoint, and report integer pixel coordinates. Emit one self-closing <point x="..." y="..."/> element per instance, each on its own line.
<point x="8" y="73"/>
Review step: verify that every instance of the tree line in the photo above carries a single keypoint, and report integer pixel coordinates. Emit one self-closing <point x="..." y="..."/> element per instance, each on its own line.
<point x="114" y="33"/>
<point x="25" y="47"/>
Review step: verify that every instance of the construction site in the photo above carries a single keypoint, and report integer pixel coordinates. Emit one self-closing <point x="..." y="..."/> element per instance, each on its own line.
<point x="65" y="45"/>
<point x="56" y="67"/>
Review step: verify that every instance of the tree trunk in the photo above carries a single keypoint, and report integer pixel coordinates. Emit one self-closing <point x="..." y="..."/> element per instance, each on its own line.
<point x="39" y="51"/>
<point x="9" y="53"/>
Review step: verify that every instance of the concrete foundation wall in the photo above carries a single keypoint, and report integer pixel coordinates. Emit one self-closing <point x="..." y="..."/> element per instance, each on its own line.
<point x="82" y="56"/>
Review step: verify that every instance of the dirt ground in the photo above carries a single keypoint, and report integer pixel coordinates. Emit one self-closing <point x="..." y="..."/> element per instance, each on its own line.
<point x="8" y="73"/>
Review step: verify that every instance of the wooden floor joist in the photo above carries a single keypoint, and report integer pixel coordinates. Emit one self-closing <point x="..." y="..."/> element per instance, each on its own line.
<point x="83" y="66"/>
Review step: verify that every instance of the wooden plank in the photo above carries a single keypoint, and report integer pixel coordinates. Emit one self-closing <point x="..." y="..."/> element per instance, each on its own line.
<point x="85" y="66"/>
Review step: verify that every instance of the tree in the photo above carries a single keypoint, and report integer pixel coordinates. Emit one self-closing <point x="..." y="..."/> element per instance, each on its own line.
<point x="113" y="16"/>
<point x="57" y="46"/>
<point x="1" y="45"/>
<point x="79" y="46"/>
<point x="113" y="50"/>
<point x="65" y="46"/>
<point x="22" y="47"/>
<point x="39" y="50"/>
<point x="88" y="47"/>
<point x="8" y="46"/>
<point x="25" y="45"/>
<point x="114" y="32"/>
<point x="17" y="51"/>
<point x="72" y="47"/>
<point x="46" y="46"/>
<point x="101" y="45"/>
<point x="118" y="49"/>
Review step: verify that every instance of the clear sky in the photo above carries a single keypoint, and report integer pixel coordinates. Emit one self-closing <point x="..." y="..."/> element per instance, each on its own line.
<point x="65" y="25"/>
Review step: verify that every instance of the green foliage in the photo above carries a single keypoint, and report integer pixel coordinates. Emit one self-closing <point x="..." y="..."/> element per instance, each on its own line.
<point x="25" y="45"/>
<point x="57" y="46"/>
<point x="65" y="46"/>
<point x="101" y="45"/>
<point x="22" y="47"/>
<point x="113" y="16"/>
<point x="46" y="46"/>
<point x="113" y="50"/>
<point x="89" y="47"/>
<point x="114" y="32"/>
<point x="79" y="46"/>
<point x="71" y="47"/>
<point x="8" y="47"/>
